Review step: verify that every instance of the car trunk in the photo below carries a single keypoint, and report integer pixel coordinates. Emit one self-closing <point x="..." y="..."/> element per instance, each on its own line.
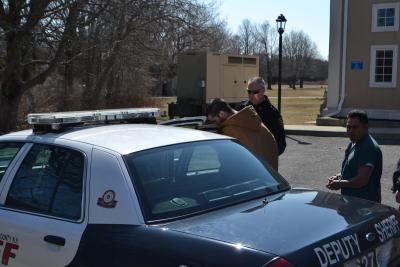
<point x="309" y="228"/>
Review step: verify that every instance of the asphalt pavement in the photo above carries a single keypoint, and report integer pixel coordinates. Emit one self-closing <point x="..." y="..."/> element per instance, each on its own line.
<point x="308" y="161"/>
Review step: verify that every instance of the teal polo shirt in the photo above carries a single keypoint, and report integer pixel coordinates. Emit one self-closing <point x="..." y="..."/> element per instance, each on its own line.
<point x="364" y="153"/>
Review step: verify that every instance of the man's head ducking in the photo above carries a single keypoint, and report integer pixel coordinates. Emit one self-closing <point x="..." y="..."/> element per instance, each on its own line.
<point x="218" y="111"/>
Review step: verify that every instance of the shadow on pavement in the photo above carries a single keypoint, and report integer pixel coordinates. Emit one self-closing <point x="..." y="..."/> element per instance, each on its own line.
<point x="298" y="141"/>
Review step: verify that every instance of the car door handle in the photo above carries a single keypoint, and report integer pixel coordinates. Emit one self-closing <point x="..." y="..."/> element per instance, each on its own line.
<point x="56" y="240"/>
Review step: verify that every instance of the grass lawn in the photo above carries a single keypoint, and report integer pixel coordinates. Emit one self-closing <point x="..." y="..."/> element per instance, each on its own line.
<point x="298" y="106"/>
<point x="307" y="91"/>
<point x="298" y="110"/>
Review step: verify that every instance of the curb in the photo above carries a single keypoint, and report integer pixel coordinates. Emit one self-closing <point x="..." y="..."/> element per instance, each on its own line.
<point x="318" y="133"/>
<point x="387" y="134"/>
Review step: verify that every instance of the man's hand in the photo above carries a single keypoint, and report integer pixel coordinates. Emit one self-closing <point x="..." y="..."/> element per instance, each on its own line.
<point x="398" y="197"/>
<point x="334" y="183"/>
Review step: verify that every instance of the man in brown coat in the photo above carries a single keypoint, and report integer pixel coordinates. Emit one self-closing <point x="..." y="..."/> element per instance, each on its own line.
<point x="246" y="126"/>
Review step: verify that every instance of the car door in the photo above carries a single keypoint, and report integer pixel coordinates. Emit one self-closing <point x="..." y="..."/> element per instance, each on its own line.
<point x="42" y="212"/>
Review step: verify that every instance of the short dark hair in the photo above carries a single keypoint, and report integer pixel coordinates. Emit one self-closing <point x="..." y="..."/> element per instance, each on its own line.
<point x="360" y="114"/>
<point x="218" y="105"/>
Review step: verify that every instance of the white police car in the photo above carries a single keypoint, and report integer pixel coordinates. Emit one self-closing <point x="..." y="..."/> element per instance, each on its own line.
<point x="150" y="195"/>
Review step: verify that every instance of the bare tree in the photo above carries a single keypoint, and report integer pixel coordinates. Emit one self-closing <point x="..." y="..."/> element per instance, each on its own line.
<point x="144" y="37"/>
<point x="298" y="51"/>
<point x="109" y="51"/>
<point x="23" y="24"/>
<point x="233" y="44"/>
<point x="266" y="37"/>
<point x="247" y="39"/>
<point x="191" y="27"/>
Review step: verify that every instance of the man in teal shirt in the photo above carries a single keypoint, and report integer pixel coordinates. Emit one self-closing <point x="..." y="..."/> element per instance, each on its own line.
<point x="362" y="165"/>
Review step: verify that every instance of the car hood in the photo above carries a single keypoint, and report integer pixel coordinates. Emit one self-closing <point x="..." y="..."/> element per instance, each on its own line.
<point x="297" y="223"/>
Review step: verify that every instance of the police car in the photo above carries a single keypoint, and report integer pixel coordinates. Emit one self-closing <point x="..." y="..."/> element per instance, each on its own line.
<point x="82" y="190"/>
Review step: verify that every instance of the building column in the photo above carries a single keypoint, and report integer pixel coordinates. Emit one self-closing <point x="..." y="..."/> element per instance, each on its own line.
<point x="335" y="70"/>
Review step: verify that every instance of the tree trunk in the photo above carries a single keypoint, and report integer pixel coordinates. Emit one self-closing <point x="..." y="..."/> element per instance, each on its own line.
<point x="8" y="113"/>
<point x="269" y="83"/>
<point x="92" y="65"/>
<point x="122" y="31"/>
<point x="11" y="84"/>
<point x="16" y="76"/>
<point x="269" y="74"/>
<point x="301" y="82"/>
<point x="68" y="84"/>
<point x="109" y="92"/>
<point x="89" y="78"/>
<point x="11" y="87"/>
<point x="294" y="83"/>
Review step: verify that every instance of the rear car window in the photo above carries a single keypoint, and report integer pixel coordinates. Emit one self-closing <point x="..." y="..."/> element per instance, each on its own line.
<point x="7" y="154"/>
<point x="188" y="178"/>
<point x="49" y="181"/>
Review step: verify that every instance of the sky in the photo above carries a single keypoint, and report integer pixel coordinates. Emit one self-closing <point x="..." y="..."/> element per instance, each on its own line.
<point x="311" y="16"/>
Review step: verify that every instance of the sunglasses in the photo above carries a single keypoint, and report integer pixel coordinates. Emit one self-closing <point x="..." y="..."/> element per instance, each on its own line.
<point x="253" y="92"/>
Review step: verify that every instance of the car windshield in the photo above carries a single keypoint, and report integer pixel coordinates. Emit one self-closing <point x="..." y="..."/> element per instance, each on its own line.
<point x="185" y="179"/>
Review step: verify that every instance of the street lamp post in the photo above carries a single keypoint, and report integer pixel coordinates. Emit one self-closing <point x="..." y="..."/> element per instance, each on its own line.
<point x="280" y="25"/>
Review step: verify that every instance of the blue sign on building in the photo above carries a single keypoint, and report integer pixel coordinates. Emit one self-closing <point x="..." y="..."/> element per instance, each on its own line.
<point x="357" y="65"/>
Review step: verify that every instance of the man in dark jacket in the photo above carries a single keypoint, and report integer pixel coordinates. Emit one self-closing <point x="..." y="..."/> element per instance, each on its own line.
<point x="269" y="115"/>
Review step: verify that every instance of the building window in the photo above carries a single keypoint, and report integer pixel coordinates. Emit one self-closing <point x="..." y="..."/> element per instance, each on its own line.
<point x="383" y="66"/>
<point x="385" y="17"/>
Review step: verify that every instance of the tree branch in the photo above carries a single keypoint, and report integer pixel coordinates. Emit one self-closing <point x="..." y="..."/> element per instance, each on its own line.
<point x="3" y="23"/>
<point x="2" y="11"/>
<point x="36" y="62"/>
<point x="36" y="11"/>
<point x="69" y="28"/>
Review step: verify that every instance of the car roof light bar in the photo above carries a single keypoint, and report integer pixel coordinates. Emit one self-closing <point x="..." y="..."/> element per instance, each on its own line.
<point x="58" y="120"/>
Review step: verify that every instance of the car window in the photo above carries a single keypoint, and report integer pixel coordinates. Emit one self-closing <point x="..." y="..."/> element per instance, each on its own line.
<point x="7" y="154"/>
<point x="187" y="178"/>
<point x="49" y="181"/>
<point x="204" y="159"/>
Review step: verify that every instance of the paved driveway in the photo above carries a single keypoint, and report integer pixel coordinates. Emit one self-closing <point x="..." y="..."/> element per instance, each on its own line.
<point x="309" y="161"/>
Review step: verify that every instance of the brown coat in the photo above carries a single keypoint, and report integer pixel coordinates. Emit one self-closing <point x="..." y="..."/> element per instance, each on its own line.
<point x="246" y="126"/>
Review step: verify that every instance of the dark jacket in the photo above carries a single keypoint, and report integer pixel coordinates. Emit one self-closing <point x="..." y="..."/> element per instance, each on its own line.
<point x="396" y="178"/>
<point x="271" y="118"/>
